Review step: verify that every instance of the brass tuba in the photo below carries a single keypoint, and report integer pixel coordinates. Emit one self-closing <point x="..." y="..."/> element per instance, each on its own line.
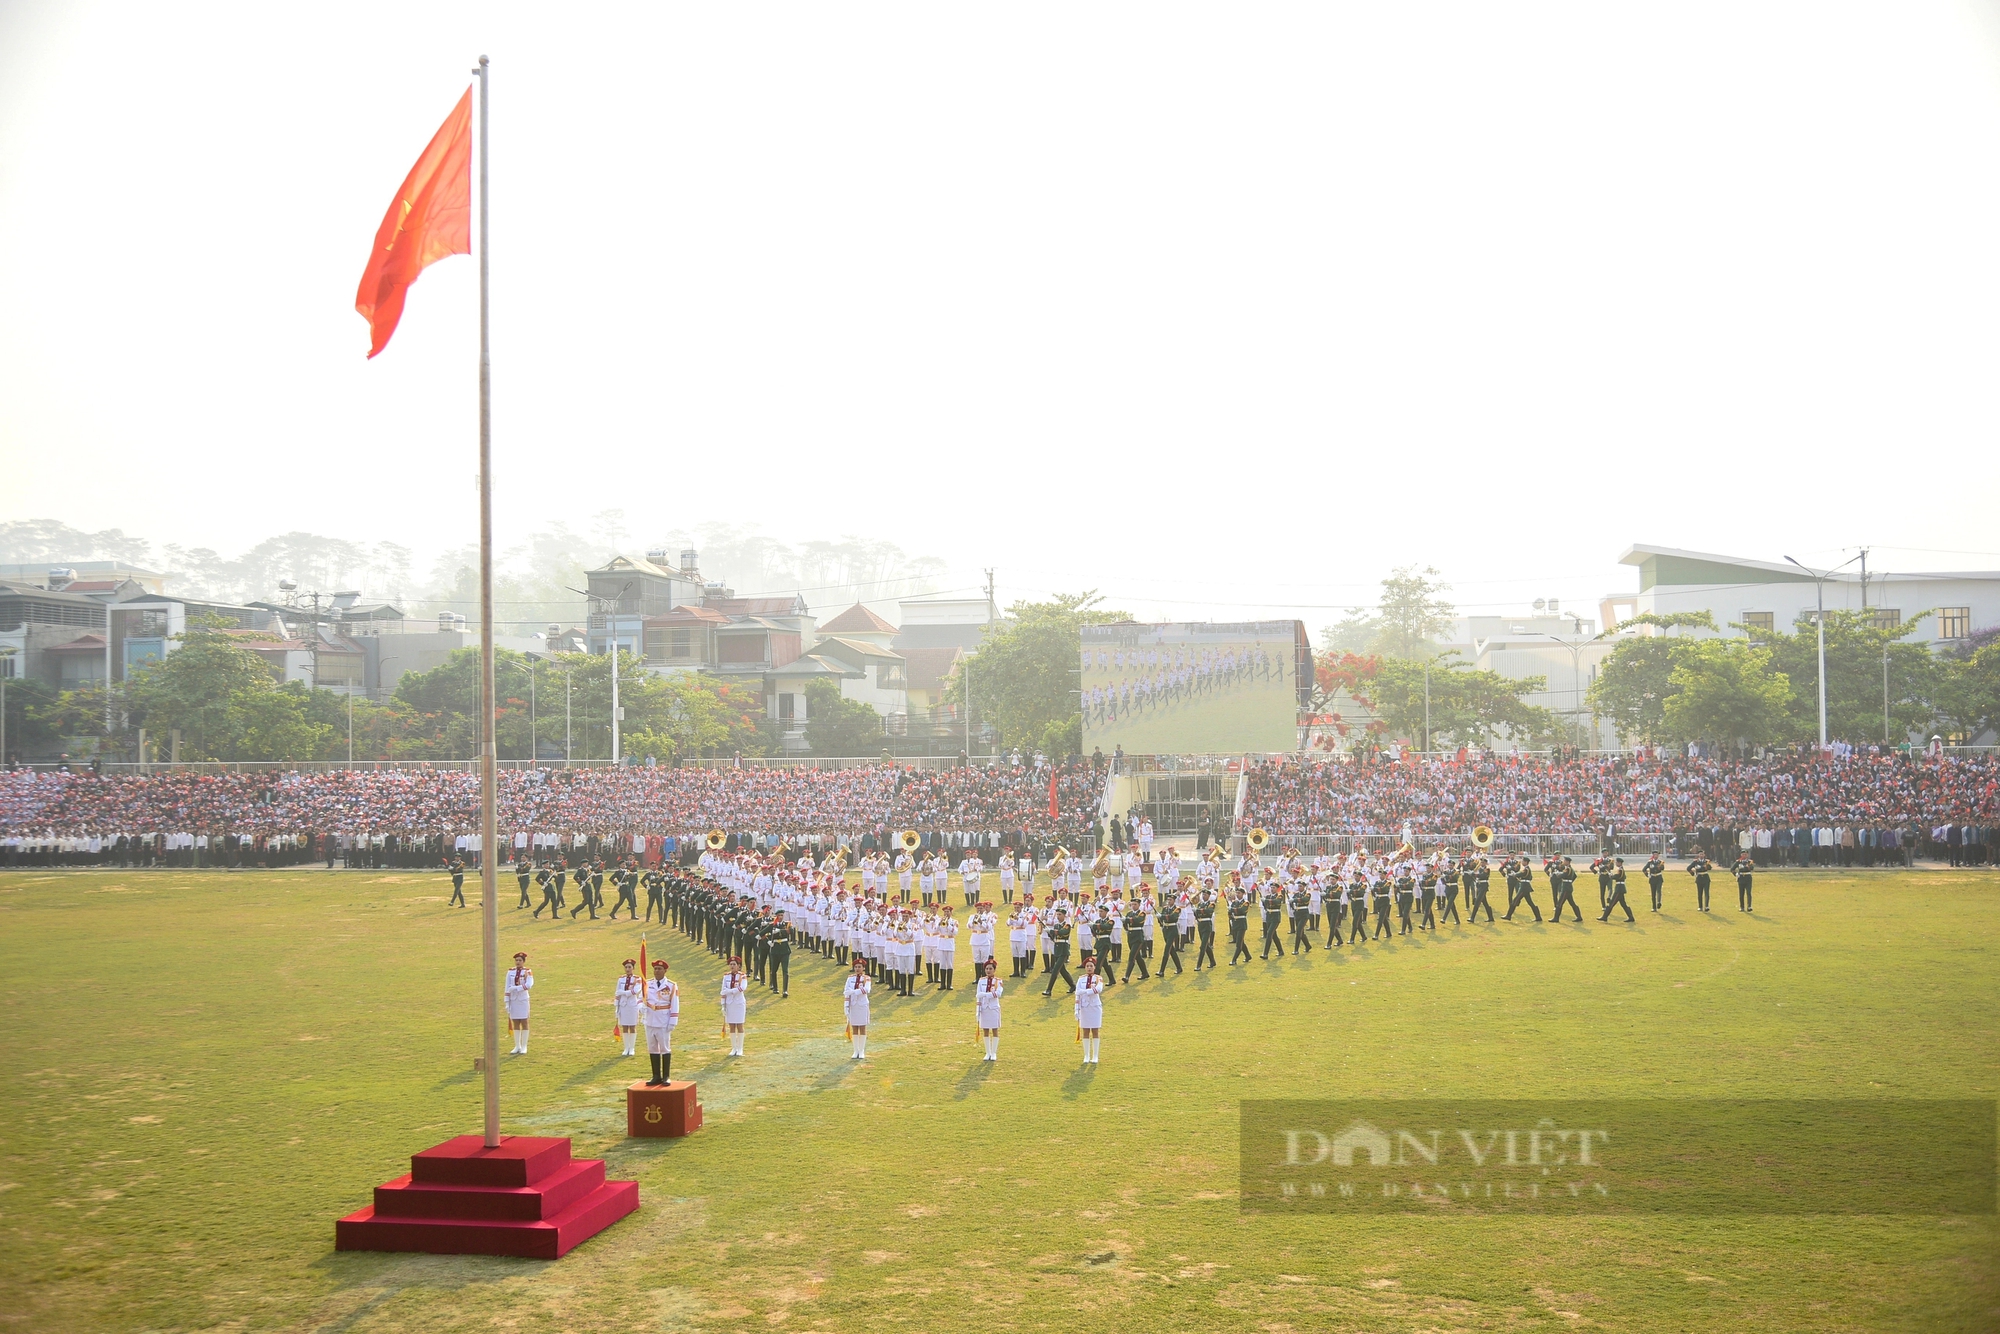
<point x="1258" y="839"/>
<point x="716" y="838"/>
<point x="910" y="840"/>
<point x="1482" y="836"/>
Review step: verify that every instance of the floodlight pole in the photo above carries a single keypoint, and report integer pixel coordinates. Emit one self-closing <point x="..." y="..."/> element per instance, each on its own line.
<point x="489" y="772"/>
<point x="1819" y="619"/>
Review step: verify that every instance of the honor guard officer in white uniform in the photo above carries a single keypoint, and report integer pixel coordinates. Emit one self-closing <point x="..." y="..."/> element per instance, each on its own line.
<point x="1090" y="1009"/>
<point x="662" y="1011"/>
<point x="854" y="1002"/>
<point x="986" y="1006"/>
<point x="735" y="1003"/>
<point x="520" y="979"/>
<point x="625" y="1001"/>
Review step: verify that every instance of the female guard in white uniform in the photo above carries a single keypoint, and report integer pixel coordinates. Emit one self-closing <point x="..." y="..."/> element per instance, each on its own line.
<point x="625" y="1000"/>
<point x="735" y="989"/>
<point x="1090" y="1008"/>
<point x="520" y="978"/>
<point x="662" y="1012"/>
<point x="986" y="1003"/>
<point x="854" y="1000"/>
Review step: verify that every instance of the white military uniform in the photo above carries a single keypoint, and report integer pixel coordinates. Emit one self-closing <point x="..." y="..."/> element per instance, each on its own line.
<point x="1090" y="1011"/>
<point x="735" y="1002"/>
<point x="986" y="1004"/>
<point x="519" y="982"/>
<point x="854" y="1002"/>
<point x="662" y="1013"/>
<point x="625" y="1000"/>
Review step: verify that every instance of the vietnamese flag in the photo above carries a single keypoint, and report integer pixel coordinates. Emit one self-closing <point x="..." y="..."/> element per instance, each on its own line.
<point x="1052" y="794"/>
<point x="431" y="217"/>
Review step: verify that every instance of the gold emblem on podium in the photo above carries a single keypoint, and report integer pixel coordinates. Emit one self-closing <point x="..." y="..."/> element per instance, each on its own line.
<point x="653" y="1112"/>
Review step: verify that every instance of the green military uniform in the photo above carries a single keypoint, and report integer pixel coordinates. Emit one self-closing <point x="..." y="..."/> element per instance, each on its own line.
<point x="457" y="882"/>
<point x="1239" y="927"/>
<point x="1135" y="942"/>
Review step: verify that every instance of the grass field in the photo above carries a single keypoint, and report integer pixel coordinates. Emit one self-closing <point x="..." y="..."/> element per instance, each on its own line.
<point x="201" y="1071"/>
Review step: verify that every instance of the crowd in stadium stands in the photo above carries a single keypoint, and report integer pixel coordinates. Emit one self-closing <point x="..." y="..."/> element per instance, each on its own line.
<point x="411" y="816"/>
<point x="1791" y="808"/>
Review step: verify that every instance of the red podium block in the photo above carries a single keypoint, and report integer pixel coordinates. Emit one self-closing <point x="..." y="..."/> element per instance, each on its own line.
<point x="527" y="1198"/>
<point x="655" y="1112"/>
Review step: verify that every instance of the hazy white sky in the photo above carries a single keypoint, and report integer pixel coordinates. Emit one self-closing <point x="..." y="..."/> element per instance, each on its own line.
<point x="1208" y="307"/>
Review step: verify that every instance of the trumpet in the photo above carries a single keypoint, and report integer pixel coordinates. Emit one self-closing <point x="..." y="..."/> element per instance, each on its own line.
<point x="1258" y="839"/>
<point x="910" y="840"/>
<point x="716" y="838"/>
<point x="1482" y="837"/>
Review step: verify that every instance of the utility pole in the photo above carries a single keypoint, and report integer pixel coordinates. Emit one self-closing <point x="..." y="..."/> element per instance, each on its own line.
<point x="992" y="612"/>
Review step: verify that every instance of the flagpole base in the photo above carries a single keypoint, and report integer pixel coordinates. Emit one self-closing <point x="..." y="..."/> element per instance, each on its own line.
<point x="526" y="1198"/>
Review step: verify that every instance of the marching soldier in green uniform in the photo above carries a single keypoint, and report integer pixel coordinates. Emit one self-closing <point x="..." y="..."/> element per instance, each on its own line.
<point x="457" y="882"/>
<point x="1700" y="868"/>
<point x="587" y="877"/>
<point x="1406" y="894"/>
<point x="1655" y="871"/>
<point x="1357" y="907"/>
<point x="628" y="892"/>
<point x="524" y="871"/>
<point x="1273" y="905"/>
<point x="1521" y="889"/>
<point x="1478" y="891"/>
<point x="1103" y="936"/>
<point x="1301" y="919"/>
<point x="1204" y="925"/>
<point x="1059" y="933"/>
<point x="1562" y="884"/>
<point x="1135" y="943"/>
<point x="656" y="894"/>
<point x="1742" y="869"/>
<point x="551" y="893"/>
<point x="1614" y="897"/>
<point x="1239" y="924"/>
<point x="779" y="949"/>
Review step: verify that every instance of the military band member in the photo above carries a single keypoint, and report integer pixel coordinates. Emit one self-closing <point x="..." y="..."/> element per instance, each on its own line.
<point x="1406" y="893"/>
<point x="1357" y="909"/>
<point x="1562" y="885"/>
<point x="1383" y="891"/>
<point x="661" y="1011"/>
<point x="1446" y="897"/>
<point x="625" y="1002"/>
<point x="1615" y="896"/>
<point x="854" y="1003"/>
<point x="1007" y="875"/>
<point x="1271" y="904"/>
<point x="1103" y="935"/>
<point x="520" y="980"/>
<point x="1700" y="868"/>
<point x="1090" y="1010"/>
<point x="1135" y="943"/>
<point x="1478" y="891"/>
<point x="1521" y="889"/>
<point x="778" y="947"/>
<point x="457" y="882"/>
<point x="1203" y="910"/>
<point x="986" y="1006"/>
<point x="524" y="871"/>
<point x="1655" y="872"/>
<point x="1239" y="921"/>
<point x="1742" y="869"/>
<point x="735" y="1003"/>
<point x="1058" y="932"/>
<point x="1301" y="906"/>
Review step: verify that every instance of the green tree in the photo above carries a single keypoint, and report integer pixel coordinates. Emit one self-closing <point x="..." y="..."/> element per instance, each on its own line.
<point x="1728" y="691"/>
<point x="836" y="725"/>
<point x="1468" y="706"/>
<point x="1967" y="692"/>
<point x="1405" y="623"/>
<point x="1635" y="682"/>
<point x="29" y="710"/>
<point x="1023" y="678"/>
<point x="1856" y="649"/>
<point x="223" y="700"/>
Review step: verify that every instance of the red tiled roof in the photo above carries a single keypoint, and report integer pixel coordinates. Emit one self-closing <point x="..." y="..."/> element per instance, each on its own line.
<point x="857" y="618"/>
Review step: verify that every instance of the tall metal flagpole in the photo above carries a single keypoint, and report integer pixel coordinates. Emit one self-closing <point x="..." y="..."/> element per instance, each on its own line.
<point x="489" y="777"/>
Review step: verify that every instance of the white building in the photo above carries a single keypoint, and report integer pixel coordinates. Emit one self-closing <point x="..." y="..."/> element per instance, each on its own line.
<point x="1951" y="605"/>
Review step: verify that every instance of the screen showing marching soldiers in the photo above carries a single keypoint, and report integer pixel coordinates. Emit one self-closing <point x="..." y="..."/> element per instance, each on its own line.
<point x="1176" y="687"/>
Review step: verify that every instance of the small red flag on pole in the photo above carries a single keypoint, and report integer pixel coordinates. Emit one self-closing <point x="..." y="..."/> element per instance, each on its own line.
<point x="1052" y="794"/>
<point x="430" y="217"/>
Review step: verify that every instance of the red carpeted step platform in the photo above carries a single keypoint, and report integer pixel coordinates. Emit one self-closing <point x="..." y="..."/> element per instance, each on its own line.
<point x="527" y="1197"/>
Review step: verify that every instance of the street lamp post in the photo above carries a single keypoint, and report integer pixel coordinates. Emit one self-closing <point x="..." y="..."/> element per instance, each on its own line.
<point x="1819" y="621"/>
<point x="1575" y="679"/>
